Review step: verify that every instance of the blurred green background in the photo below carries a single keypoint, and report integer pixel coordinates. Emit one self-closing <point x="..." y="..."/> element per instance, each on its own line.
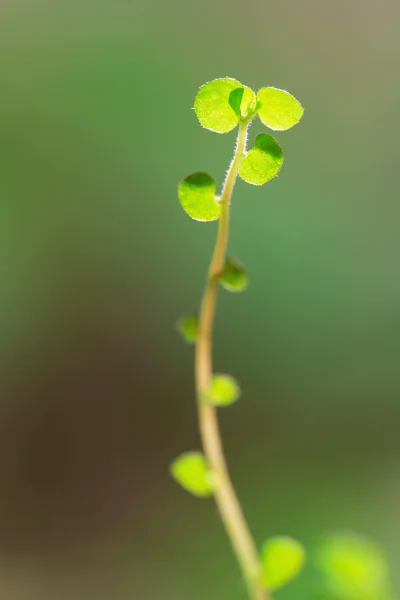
<point x="98" y="260"/>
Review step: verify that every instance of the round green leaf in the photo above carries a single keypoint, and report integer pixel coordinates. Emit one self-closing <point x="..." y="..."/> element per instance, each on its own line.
<point x="197" y="197"/>
<point x="191" y="471"/>
<point x="224" y="390"/>
<point x="263" y="162"/>
<point x="233" y="276"/>
<point x="187" y="326"/>
<point x="217" y="110"/>
<point x="354" y="567"/>
<point x="282" y="558"/>
<point x="243" y="101"/>
<point x="279" y="110"/>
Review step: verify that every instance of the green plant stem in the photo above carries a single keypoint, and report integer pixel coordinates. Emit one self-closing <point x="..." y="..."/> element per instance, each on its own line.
<point x="225" y="495"/>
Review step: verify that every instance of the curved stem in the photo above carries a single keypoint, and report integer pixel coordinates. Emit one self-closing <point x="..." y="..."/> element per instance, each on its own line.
<point x="224" y="493"/>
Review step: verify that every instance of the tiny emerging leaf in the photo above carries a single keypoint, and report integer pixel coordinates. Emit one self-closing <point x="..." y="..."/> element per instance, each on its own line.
<point x="220" y="104"/>
<point x="187" y="326"/>
<point x="191" y="471"/>
<point x="263" y="162"/>
<point x="224" y="390"/>
<point x="197" y="197"/>
<point x="235" y="100"/>
<point x="282" y="559"/>
<point x="279" y="110"/>
<point x="233" y="276"/>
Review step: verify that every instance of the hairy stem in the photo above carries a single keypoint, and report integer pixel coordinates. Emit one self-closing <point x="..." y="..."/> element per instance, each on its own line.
<point x="224" y="493"/>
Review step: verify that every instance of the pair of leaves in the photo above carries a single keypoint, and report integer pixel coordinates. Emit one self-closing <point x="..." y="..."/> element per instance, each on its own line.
<point x="197" y="193"/>
<point x="233" y="278"/>
<point x="224" y="389"/>
<point x="282" y="558"/>
<point x="222" y="103"/>
<point x="191" y="469"/>
<point x="354" y="568"/>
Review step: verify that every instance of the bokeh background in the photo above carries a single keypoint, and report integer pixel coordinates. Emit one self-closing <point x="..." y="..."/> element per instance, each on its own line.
<point x="98" y="261"/>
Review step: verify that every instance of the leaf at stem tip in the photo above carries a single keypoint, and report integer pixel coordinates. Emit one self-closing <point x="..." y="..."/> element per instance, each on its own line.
<point x="279" y="110"/>
<point x="233" y="276"/>
<point x="187" y="326"/>
<point x="191" y="471"/>
<point x="197" y="195"/>
<point x="263" y="162"/>
<point x="282" y="558"/>
<point x="220" y="103"/>
<point x="224" y="390"/>
<point x="354" y="567"/>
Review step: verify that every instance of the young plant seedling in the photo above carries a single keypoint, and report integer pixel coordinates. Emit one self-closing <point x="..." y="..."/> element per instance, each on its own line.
<point x="221" y="106"/>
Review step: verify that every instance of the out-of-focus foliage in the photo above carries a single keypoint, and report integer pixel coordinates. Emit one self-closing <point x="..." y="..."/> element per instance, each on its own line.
<point x="233" y="277"/>
<point x="191" y="471"/>
<point x="224" y="390"/>
<point x="187" y="326"/>
<point x="353" y="568"/>
<point x="282" y="558"/>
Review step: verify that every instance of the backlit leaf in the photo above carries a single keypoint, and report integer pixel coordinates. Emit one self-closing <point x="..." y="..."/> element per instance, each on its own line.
<point x="279" y="110"/>
<point x="197" y="197"/>
<point x="263" y="162"/>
